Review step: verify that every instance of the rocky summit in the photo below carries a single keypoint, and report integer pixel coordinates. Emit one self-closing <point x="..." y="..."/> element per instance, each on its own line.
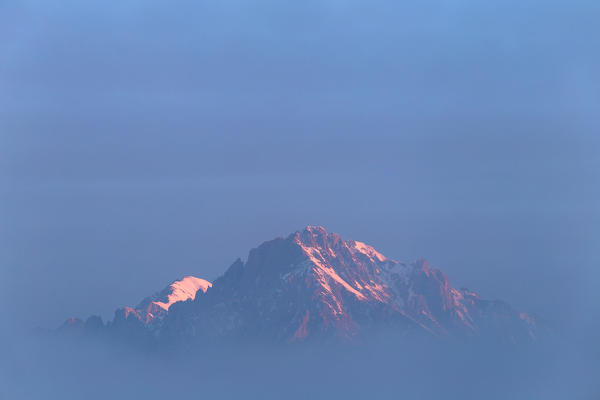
<point x="312" y="286"/>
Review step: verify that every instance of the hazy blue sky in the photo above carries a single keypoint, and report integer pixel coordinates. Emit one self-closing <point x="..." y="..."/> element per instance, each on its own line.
<point x="144" y="140"/>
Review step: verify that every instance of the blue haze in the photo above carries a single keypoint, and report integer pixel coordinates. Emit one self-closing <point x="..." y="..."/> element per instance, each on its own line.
<point x="142" y="141"/>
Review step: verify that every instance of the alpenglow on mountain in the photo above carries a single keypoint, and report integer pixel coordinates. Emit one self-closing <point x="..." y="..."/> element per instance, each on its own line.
<point x="312" y="286"/>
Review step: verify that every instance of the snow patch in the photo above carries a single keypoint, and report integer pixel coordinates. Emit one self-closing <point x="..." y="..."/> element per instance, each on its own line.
<point x="367" y="250"/>
<point x="183" y="290"/>
<point x="323" y="271"/>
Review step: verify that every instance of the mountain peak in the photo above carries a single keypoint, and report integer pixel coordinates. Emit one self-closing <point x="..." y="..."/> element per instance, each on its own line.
<point x="315" y="229"/>
<point x="184" y="289"/>
<point x="314" y="284"/>
<point x="155" y="307"/>
<point x="311" y="233"/>
<point x="314" y="236"/>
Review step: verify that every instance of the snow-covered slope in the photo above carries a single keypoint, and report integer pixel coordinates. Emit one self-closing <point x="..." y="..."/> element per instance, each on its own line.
<point x="153" y="309"/>
<point x="183" y="290"/>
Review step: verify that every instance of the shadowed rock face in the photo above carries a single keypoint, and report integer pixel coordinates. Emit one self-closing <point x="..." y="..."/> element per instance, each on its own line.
<point x="313" y="285"/>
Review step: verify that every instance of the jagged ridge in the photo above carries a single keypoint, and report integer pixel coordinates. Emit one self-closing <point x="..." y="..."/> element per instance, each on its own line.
<point x="314" y="285"/>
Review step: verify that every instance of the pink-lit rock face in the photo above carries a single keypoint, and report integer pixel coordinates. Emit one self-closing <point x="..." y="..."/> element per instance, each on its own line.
<point x="313" y="285"/>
